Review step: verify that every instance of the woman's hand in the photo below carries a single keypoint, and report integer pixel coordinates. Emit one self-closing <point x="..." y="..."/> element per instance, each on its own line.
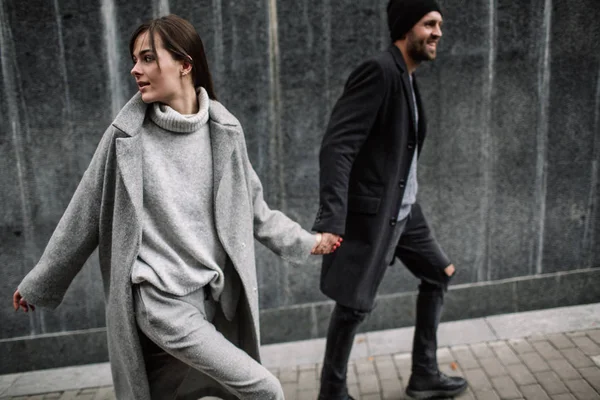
<point x="326" y="243"/>
<point x="19" y="301"/>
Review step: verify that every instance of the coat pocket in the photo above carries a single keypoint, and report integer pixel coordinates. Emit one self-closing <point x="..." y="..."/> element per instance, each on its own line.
<point x="363" y="204"/>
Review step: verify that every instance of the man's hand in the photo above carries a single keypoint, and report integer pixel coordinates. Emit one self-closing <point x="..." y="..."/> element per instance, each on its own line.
<point x="19" y="301"/>
<point x="327" y="243"/>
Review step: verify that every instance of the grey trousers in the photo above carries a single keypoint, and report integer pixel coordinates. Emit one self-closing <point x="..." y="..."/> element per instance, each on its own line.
<point x="182" y="329"/>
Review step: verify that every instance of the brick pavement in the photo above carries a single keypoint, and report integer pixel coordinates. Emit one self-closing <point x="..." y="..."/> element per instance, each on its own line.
<point x="560" y="366"/>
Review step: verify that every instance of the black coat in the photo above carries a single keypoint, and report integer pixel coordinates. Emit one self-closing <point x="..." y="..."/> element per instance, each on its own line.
<point x="364" y="160"/>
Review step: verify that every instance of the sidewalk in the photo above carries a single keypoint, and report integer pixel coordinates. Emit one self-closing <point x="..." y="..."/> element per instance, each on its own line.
<point x="548" y="354"/>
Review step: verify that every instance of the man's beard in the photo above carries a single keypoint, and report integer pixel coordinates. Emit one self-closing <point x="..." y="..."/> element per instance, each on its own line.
<point x="417" y="50"/>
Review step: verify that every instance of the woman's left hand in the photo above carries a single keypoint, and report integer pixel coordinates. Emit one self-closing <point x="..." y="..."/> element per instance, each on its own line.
<point x="20" y="302"/>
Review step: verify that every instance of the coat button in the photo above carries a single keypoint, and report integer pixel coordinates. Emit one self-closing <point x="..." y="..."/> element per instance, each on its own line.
<point x="401" y="185"/>
<point x="411" y="146"/>
<point x="393" y="222"/>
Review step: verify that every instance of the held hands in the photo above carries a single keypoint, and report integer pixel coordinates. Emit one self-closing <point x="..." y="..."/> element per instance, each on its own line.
<point x="19" y="301"/>
<point x="326" y="243"/>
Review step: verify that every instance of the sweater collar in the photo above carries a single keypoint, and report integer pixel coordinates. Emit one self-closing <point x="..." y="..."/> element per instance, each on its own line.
<point x="131" y="117"/>
<point x="170" y="120"/>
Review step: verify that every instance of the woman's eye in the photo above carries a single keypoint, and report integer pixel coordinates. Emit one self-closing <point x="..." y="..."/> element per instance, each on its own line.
<point x="148" y="59"/>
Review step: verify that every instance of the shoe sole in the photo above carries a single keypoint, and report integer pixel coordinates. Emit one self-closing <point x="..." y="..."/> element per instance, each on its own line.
<point x="430" y="394"/>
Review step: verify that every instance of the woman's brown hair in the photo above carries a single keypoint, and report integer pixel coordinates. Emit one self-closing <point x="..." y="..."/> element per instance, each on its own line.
<point x="183" y="42"/>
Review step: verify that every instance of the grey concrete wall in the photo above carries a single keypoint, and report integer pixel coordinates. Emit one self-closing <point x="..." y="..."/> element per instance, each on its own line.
<point x="508" y="177"/>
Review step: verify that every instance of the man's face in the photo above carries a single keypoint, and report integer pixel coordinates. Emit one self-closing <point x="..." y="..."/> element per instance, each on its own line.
<point x="423" y="38"/>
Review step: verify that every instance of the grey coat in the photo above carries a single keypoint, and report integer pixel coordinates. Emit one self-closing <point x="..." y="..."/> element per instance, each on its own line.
<point x="105" y="213"/>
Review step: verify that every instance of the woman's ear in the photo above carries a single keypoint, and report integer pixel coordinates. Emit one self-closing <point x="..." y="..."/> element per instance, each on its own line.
<point x="186" y="68"/>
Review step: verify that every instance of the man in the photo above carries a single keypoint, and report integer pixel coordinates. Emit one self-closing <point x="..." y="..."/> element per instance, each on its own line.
<point x="368" y="186"/>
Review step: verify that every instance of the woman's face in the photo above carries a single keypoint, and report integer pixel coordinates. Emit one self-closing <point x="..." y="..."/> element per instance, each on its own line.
<point x="163" y="84"/>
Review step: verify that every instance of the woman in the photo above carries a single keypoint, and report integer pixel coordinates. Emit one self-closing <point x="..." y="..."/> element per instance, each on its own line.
<point x="173" y="204"/>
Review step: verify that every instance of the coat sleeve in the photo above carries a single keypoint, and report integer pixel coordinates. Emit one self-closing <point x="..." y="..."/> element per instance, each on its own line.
<point x="74" y="239"/>
<point x="272" y="228"/>
<point x="351" y="121"/>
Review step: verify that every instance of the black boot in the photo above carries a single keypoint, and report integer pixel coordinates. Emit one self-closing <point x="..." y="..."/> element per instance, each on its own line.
<point x="434" y="386"/>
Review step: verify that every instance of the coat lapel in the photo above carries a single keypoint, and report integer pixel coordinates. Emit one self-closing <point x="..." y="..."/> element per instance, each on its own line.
<point x="222" y="143"/>
<point x="129" y="162"/>
<point x="405" y="83"/>
<point x="409" y="99"/>
<point x="422" y="117"/>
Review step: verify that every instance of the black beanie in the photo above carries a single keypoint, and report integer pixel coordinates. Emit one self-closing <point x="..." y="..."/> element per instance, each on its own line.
<point x="404" y="14"/>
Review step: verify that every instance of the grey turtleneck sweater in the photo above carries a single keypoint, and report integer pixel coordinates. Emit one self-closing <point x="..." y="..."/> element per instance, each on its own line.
<point x="180" y="250"/>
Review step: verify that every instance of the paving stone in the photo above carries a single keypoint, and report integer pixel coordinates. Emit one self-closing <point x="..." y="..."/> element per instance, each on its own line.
<point x="451" y="370"/>
<point x="505" y="353"/>
<point x="290" y="390"/>
<point x="464" y="357"/>
<point x="288" y="375"/>
<point x="69" y="395"/>
<point x="587" y="345"/>
<point x="551" y="382"/>
<point x="391" y="389"/>
<point x="560" y="341"/>
<point x="368" y="384"/>
<point x="444" y="355"/>
<point x="564" y="369"/>
<point x="404" y="376"/>
<point x="402" y="361"/>
<point x="466" y="395"/>
<point x="306" y="379"/>
<point x="547" y="351"/>
<point x="386" y="369"/>
<point x="486" y="395"/>
<point x="534" y="392"/>
<point x="88" y="396"/>
<point x="307" y="367"/>
<point x="592" y="375"/>
<point x="354" y="391"/>
<point x="375" y="396"/>
<point x="565" y="396"/>
<point x="536" y="337"/>
<point x="477" y="379"/>
<point x="310" y="394"/>
<point x="506" y="387"/>
<point x="577" y="358"/>
<point x="52" y="396"/>
<point x="594" y="335"/>
<point x="105" y="393"/>
<point x="521" y="375"/>
<point x="351" y="376"/>
<point x="575" y="334"/>
<point x="535" y="362"/>
<point x="521" y="346"/>
<point x="365" y="367"/>
<point x="492" y="367"/>
<point x="582" y="390"/>
<point x="481" y="350"/>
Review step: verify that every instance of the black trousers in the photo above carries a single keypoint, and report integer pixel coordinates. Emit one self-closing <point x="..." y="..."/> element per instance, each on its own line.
<point x="414" y="247"/>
